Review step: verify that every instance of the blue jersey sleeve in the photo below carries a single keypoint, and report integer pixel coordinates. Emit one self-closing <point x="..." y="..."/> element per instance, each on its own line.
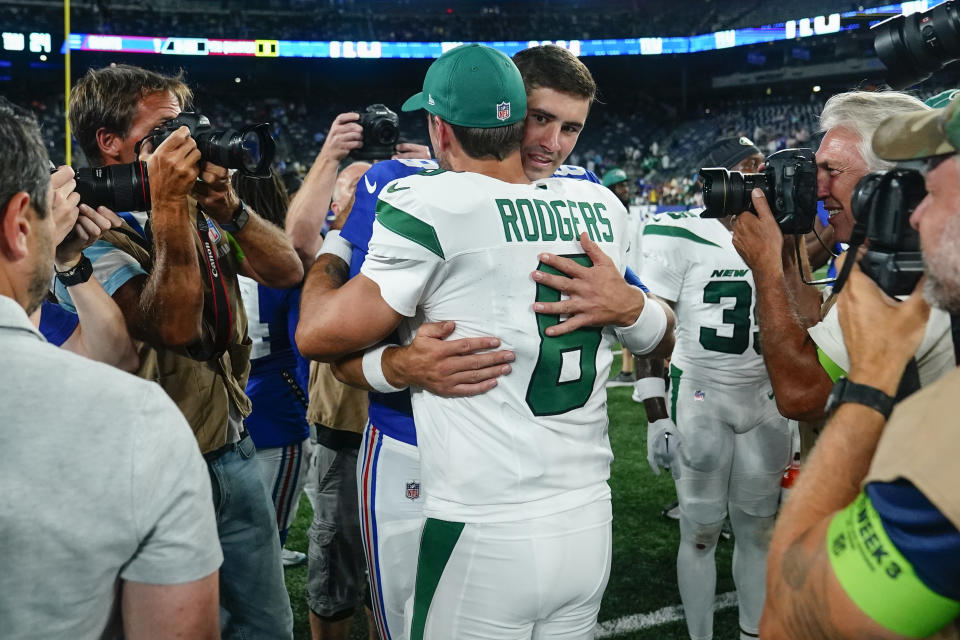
<point x="921" y="533"/>
<point x="634" y="279"/>
<point x="359" y="225"/>
<point x="56" y="323"/>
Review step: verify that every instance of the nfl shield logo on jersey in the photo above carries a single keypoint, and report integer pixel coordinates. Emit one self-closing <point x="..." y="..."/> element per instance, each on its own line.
<point x="503" y="111"/>
<point x="413" y="490"/>
<point x="699" y="395"/>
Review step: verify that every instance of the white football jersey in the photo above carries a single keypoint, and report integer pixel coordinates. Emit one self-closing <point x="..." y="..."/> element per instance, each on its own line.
<point x="691" y="261"/>
<point x="461" y="247"/>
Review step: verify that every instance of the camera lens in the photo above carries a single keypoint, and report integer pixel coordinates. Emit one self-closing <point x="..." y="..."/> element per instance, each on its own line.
<point x="249" y="150"/>
<point x="913" y="47"/>
<point x="724" y="192"/>
<point x="122" y="187"/>
<point x="386" y="132"/>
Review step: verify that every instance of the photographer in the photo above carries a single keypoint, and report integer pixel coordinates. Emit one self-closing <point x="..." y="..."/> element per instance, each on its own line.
<point x="801" y="340"/>
<point x="95" y="328"/>
<point x="867" y="545"/>
<point x="173" y="272"/>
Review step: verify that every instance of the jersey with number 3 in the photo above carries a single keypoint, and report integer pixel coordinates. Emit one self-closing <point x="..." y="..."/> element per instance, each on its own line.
<point x="691" y="261"/>
<point x="462" y="247"/>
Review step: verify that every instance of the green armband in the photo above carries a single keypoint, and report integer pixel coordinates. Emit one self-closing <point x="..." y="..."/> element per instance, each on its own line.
<point x="879" y="579"/>
<point x="832" y="368"/>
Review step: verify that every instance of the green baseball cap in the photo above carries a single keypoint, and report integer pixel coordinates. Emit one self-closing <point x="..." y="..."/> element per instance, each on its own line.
<point x="614" y="176"/>
<point x="921" y="134"/>
<point x="473" y="86"/>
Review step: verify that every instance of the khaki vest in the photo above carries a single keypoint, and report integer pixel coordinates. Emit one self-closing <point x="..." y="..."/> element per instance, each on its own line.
<point x="334" y="404"/>
<point x="201" y="390"/>
<point x="921" y="443"/>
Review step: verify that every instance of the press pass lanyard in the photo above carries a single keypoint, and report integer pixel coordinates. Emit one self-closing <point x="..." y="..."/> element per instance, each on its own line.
<point x="222" y="313"/>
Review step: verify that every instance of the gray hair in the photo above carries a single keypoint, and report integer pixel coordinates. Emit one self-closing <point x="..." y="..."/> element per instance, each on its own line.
<point x="24" y="163"/>
<point x="863" y="112"/>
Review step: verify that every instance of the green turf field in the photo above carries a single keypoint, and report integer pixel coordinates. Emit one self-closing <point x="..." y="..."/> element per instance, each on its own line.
<point x="643" y="574"/>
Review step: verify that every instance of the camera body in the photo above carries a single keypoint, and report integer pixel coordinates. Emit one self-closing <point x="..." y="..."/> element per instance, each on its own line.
<point x="882" y="203"/>
<point x="788" y="180"/>
<point x="912" y="47"/>
<point x="249" y="150"/>
<point x="381" y="131"/>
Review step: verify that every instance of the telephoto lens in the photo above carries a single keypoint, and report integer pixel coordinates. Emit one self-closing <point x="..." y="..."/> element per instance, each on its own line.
<point x="119" y="187"/>
<point x="912" y="47"/>
<point x="727" y="193"/>
<point x="249" y="150"/>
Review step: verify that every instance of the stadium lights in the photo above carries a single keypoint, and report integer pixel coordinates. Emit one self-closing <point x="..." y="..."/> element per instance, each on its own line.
<point x="816" y="88"/>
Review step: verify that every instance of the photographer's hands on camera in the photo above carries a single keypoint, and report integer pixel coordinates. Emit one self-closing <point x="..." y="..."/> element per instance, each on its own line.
<point x="173" y="167"/>
<point x="77" y="225"/>
<point x="758" y="239"/>
<point x="881" y="333"/>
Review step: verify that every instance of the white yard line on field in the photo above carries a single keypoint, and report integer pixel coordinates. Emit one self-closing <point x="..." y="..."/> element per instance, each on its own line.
<point x="641" y="621"/>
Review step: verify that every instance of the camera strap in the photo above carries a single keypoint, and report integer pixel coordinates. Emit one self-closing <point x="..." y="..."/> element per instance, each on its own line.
<point x="222" y="313"/>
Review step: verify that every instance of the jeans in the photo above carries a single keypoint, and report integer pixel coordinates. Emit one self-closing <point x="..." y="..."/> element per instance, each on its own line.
<point x="254" y="603"/>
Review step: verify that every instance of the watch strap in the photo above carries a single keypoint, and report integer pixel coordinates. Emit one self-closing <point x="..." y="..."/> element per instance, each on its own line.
<point x="239" y="220"/>
<point x="77" y="274"/>
<point x="846" y="391"/>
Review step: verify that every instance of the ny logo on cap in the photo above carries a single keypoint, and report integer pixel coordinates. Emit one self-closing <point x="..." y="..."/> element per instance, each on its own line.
<point x="503" y="111"/>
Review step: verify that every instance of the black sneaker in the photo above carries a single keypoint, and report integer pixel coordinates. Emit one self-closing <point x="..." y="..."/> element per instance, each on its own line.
<point x="621" y="379"/>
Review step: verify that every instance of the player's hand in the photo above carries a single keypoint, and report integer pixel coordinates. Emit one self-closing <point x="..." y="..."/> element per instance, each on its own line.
<point x="757" y="238"/>
<point x="89" y="226"/>
<point x="173" y="168"/>
<point x="596" y="296"/>
<point x="663" y="444"/>
<point x="412" y="151"/>
<point x="881" y="334"/>
<point x="65" y="202"/>
<point x="463" y="367"/>
<point x="215" y="194"/>
<point x="345" y="135"/>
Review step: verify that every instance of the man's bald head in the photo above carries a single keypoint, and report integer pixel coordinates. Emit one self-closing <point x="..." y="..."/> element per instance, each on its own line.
<point x="343" y="190"/>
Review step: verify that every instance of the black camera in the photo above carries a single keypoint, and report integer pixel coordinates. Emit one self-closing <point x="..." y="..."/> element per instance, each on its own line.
<point x="915" y="46"/>
<point x="249" y="150"/>
<point x="882" y="203"/>
<point x="119" y="187"/>
<point x="788" y="180"/>
<point x="126" y="187"/>
<point x="381" y="131"/>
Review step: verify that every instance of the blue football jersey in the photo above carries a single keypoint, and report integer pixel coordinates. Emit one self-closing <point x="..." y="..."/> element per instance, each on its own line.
<point x="279" y="375"/>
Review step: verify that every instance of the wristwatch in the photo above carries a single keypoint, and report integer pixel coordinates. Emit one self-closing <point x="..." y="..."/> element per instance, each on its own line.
<point x="239" y="220"/>
<point x="77" y="274"/>
<point x="846" y="391"/>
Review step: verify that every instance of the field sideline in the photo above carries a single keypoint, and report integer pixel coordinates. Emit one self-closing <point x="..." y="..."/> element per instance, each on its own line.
<point x="643" y="583"/>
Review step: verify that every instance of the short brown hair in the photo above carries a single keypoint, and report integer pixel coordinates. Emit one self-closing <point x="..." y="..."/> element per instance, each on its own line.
<point x="108" y="98"/>
<point x="493" y="142"/>
<point x="555" y="68"/>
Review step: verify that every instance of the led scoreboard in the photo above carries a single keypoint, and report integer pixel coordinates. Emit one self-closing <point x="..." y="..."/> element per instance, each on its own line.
<point x="789" y="30"/>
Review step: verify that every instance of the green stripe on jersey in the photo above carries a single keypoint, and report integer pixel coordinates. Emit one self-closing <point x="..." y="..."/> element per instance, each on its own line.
<point x="879" y="579"/>
<point x="411" y="228"/>
<point x="675" y="232"/>
<point x="833" y="370"/>
<point x="675" y="374"/>
<point x="437" y="541"/>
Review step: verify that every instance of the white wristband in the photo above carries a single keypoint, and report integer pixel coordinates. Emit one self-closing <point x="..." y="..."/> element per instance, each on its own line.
<point x="373" y="370"/>
<point x="336" y="245"/>
<point x="645" y="334"/>
<point x="647" y="388"/>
